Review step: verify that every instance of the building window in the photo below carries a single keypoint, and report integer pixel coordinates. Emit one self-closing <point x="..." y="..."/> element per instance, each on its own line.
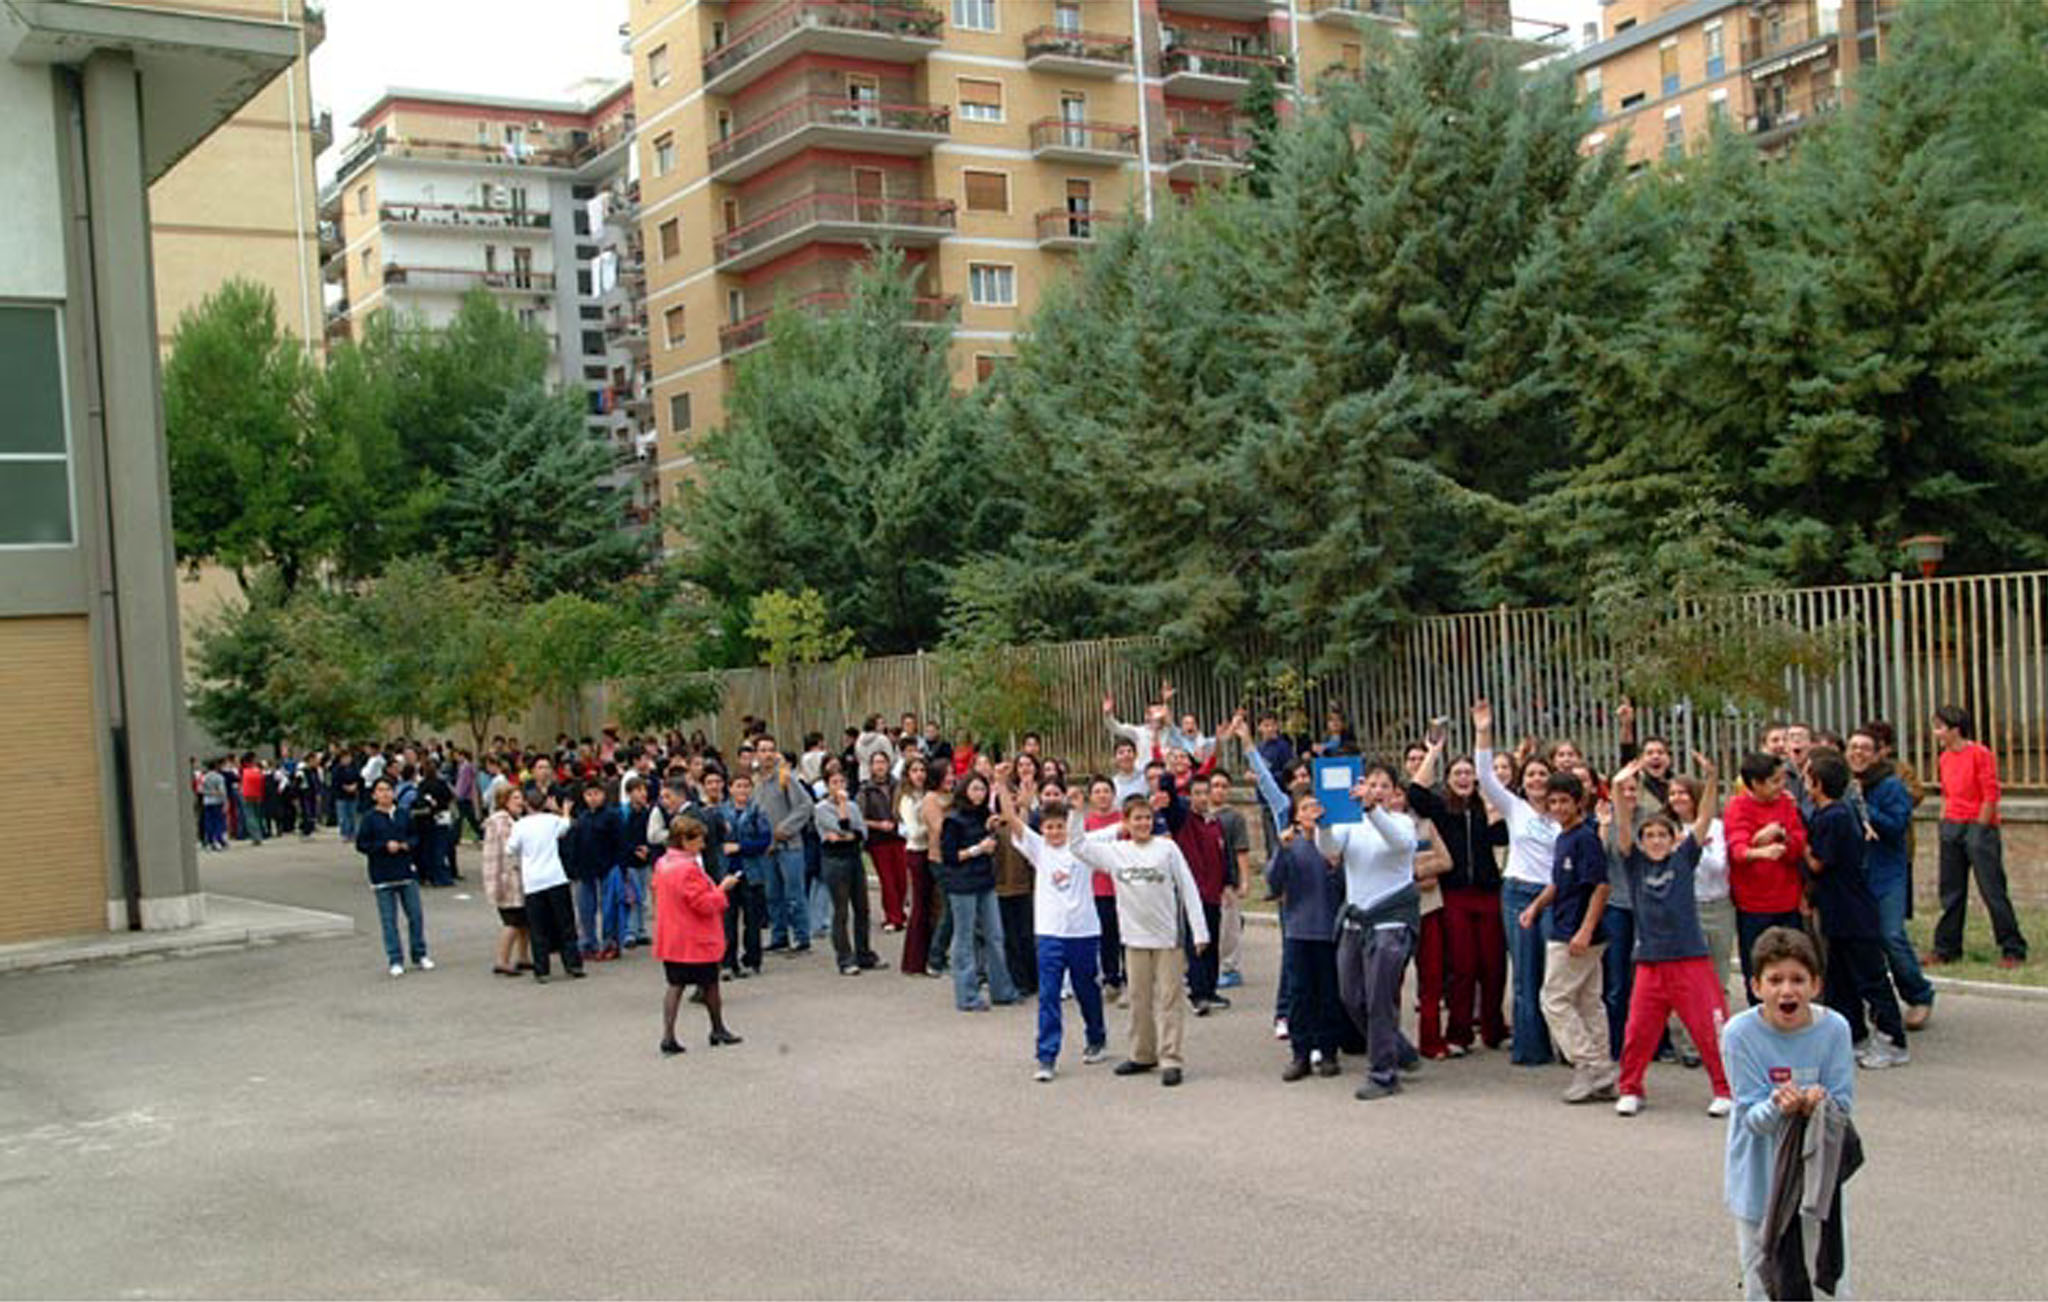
<point x="991" y="284"/>
<point x="1630" y="101"/>
<point x="1589" y="83"/>
<point x="987" y="364"/>
<point x="1624" y="25"/>
<point x="672" y="326"/>
<point x="657" y="66"/>
<point x="1717" y="105"/>
<point x="665" y="153"/>
<point x="735" y="306"/>
<point x="362" y="199"/>
<point x="1717" y="51"/>
<point x="593" y="343"/>
<point x="725" y="124"/>
<point x="483" y="133"/>
<point x="1667" y="66"/>
<point x="1066" y="18"/>
<point x="369" y="262"/>
<point x="679" y="412"/>
<point x="987" y="191"/>
<point x="981" y="100"/>
<point x="1674" y="134"/>
<point x="35" y="457"/>
<point x="718" y="30"/>
<point x="529" y="319"/>
<point x="974" y="15"/>
<point x="671" y="238"/>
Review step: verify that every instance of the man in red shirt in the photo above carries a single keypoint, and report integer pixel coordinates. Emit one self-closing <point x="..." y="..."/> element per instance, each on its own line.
<point x="1971" y="842"/>
<point x="1766" y="845"/>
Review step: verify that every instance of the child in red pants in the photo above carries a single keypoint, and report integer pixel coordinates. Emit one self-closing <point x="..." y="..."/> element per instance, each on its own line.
<point x="1673" y="973"/>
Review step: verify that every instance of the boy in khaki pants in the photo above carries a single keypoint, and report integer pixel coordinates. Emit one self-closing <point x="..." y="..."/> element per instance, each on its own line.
<point x="1154" y="891"/>
<point x="1577" y="899"/>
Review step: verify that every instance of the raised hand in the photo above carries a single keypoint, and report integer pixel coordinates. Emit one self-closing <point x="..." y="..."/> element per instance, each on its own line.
<point x="1482" y="715"/>
<point x="1108" y="703"/>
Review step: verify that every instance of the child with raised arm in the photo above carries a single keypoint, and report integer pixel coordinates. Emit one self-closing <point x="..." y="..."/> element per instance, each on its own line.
<point x="1532" y="845"/>
<point x="1576" y="899"/>
<point x="1069" y="934"/>
<point x="1154" y="891"/>
<point x="1672" y="969"/>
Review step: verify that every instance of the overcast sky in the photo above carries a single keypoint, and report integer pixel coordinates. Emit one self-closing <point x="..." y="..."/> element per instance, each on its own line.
<point x="532" y="48"/>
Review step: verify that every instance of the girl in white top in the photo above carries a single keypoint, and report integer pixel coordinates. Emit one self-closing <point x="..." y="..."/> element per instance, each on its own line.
<point x="1532" y="848"/>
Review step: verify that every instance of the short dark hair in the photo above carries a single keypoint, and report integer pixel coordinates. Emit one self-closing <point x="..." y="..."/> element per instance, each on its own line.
<point x="1785" y="944"/>
<point x="1052" y="809"/>
<point x="1568" y="784"/>
<point x="1886" y="736"/>
<point x="1826" y="768"/>
<point x="1125" y="743"/>
<point x="1660" y="819"/>
<point x="1758" y="766"/>
<point x="1137" y="802"/>
<point x="1955" y="716"/>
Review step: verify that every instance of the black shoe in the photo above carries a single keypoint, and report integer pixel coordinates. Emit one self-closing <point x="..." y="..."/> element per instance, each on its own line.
<point x="735" y="974"/>
<point x="1201" y="1008"/>
<point x="1296" y="1069"/>
<point x="540" y="978"/>
<point x="1170" y="1077"/>
<point x="725" y="1037"/>
<point x="1130" y="1068"/>
<point x="524" y="967"/>
<point x="777" y="945"/>
<point x="578" y="972"/>
<point x="1216" y="1002"/>
<point x="1372" y="1089"/>
<point x="873" y="963"/>
<point x="670" y="1048"/>
<point x="1329" y="1067"/>
<point x="804" y="948"/>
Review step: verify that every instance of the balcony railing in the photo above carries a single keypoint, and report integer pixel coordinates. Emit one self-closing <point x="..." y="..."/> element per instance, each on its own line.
<point x="826" y="209"/>
<point x="321" y="129"/>
<point x="900" y="19"/>
<point x="458" y="214"/>
<point x="1189" y="149"/>
<point x="1197" y="61"/>
<point x="462" y="279"/>
<point x="830" y="111"/>
<point x="1773" y="118"/>
<point x="1079" y="47"/>
<point x="742" y="335"/>
<point x="1059" y="134"/>
<point x="1386" y="10"/>
<point x="1065" y="226"/>
<point x="1783" y="36"/>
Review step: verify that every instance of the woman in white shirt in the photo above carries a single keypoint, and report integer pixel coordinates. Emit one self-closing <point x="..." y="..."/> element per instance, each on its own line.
<point x="1532" y="843"/>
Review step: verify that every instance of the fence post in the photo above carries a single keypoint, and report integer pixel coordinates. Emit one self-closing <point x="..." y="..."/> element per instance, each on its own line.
<point x="923" y="709"/>
<point x="1503" y="723"/>
<point x="1895" y="690"/>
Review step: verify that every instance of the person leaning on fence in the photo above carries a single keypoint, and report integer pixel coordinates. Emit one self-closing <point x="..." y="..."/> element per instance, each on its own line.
<point x="1971" y="843"/>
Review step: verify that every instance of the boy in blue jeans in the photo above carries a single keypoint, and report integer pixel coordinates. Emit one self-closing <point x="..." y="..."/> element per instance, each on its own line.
<point x="1065" y="922"/>
<point x="1784" y="1056"/>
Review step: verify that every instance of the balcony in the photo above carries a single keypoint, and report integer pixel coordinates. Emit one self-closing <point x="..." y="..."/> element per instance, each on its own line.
<point x="1059" y="140"/>
<point x="846" y="218"/>
<point x="626" y="330"/>
<point x="1076" y="54"/>
<point x="321" y="128"/>
<point x="1200" y="158"/>
<point x="624" y="209"/>
<point x="330" y="239"/>
<point x="314" y="23"/>
<point x="460" y="280"/>
<point x="864" y="29"/>
<point x="366" y="149"/>
<point x="451" y="216"/>
<point x="753" y="331"/>
<point x="1065" y="230"/>
<point x="1241" y="11"/>
<point x="826" y="121"/>
<point x="1776" y="118"/>
<point x="1358" y="13"/>
<point x="1191" y="72"/>
<point x="1779" y="44"/>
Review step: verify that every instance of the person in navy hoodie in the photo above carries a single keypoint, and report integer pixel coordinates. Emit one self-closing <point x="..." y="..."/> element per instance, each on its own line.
<point x="385" y="841"/>
<point x="589" y="852"/>
<point x="1311" y="892"/>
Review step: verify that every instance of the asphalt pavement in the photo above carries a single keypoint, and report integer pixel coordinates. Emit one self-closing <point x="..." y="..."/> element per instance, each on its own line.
<point x="285" y="1120"/>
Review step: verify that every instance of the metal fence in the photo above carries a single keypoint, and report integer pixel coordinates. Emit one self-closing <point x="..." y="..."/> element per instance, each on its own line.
<point x="1906" y="646"/>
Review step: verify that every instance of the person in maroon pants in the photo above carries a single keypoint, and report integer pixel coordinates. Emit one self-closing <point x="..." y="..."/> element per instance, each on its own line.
<point x="885" y="839"/>
<point x="1474" y="943"/>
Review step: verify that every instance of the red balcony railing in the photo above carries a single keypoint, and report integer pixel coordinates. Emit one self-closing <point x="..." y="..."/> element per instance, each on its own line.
<point x="836" y="209"/>
<point x="743" y="335"/>
<point x="1188" y="147"/>
<point x="1092" y="46"/>
<point x="457" y="214"/>
<point x="1095" y="137"/>
<point x="1240" y="65"/>
<point x="1066" y="224"/>
<point x="889" y="19"/>
<point x="462" y="279"/>
<point x="829" y="111"/>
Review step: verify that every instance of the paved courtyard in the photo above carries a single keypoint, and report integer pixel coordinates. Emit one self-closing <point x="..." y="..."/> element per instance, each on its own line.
<point x="288" y="1121"/>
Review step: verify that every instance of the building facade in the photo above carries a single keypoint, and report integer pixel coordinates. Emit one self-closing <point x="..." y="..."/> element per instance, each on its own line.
<point x="1666" y="70"/>
<point x="532" y="201"/>
<point x="779" y="140"/>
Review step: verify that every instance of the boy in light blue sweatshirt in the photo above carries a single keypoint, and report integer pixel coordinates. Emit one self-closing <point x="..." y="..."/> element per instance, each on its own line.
<point x="1783" y="1057"/>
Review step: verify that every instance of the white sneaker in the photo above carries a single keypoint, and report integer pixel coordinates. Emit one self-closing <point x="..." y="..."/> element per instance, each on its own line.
<point x="1882" y="1054"/>
<point x="1279" y="1028"/>
<point x="426" y="965"/>
<point x="1721" y="1106"/>
<point x="1043" y="1074"/>
<point x="1093" y="1054"/>
<point x="398" y="969"/>
<point x="1628" y="1105"/>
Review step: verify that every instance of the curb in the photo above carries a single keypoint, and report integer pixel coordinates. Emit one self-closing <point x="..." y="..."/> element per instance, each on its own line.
<point x="283" y="922"/>
<point x="1991" y="989"/>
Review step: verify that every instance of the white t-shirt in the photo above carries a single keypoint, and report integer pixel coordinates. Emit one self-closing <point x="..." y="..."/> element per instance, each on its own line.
<point x="533" y="845"/>
<point x="1063" y="901"/>
<point x="1153" y="887"/>
<point x="1532" y="837"/>
<point x="1710" y="879"/>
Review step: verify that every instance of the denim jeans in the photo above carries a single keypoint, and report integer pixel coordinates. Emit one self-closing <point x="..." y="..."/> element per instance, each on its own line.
<point x="1077" y="957"/>
<point x="1913" y="985"/>
<point x="1530" y="1042"/>
<point x="1618" y="975"/>
<point x="345" y="813"/>
<point x="967" y="910"/>
<point x="249" y="820"/>
<point x="589" y="914"/>
<point x="390" y="899"/>
<point x="1748" y="926"/>
<point x="636" y="917"/>
<point x="213" y="826"/>
<point x="789" y="913"/>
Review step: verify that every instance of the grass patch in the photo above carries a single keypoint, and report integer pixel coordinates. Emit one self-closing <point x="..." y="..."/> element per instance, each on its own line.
<point x="1980" y="951"/>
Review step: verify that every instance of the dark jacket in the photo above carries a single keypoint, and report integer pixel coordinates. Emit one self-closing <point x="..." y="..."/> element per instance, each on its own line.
<point x="1801" y="1140"/>
<point x="878" y="805"/>
<point x="1467" y="834"/>
<point x="634" y="849"/>
<point x="1311" y="890"/>
<point x="373" y="835"/>
<point x="962" y="829"/>
<point x="591" y="847"/>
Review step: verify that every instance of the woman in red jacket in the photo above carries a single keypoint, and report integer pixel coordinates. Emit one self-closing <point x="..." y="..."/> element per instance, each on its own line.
<point x="689" y="930"/>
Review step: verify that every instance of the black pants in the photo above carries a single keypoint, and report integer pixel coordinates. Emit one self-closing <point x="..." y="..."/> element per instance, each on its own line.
<point x="1020" y="944"/>
<point x="1203" y="967"/>
<point x="1966" y="849"/>
<point x="848" y="882"/>
<point x="1748" y="926"/>
<point x="744" y="918"/>
<point x="551" y="926"/>
<point x="1315" y="1014"/>
<point x="1858" y="974"/>
<point x="1112" y="941"/>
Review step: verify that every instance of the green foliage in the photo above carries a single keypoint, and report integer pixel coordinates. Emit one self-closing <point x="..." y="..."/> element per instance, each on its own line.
<point x="795" y="629"/>
<point x="443" y="378"/>
<point x="1261" y="112"/>
<point x="233" y="652"/>
<point x="568" y="643"/>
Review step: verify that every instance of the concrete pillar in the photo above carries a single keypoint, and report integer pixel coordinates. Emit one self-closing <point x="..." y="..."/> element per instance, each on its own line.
<point x="149" y="679"/>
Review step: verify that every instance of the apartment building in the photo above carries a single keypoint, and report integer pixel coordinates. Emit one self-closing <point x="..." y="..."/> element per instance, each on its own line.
<point x="241" y="204"/>
<point x="1666" y="69"/>
<point x="533" y="201"/>
<point x="989" y="139"/>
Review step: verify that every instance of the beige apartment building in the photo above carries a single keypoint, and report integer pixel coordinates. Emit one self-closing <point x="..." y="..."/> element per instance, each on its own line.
<point x="991" y="140"/>
<point x="1664" y="70"/>
<point x="241" y="204"/>
<point x="534" y="201"/>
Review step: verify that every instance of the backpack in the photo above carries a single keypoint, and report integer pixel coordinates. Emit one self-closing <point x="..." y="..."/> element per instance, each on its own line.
<point x="408" y="795"/>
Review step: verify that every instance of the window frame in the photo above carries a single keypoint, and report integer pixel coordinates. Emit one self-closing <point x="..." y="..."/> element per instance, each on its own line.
<point x="659" y="77"/>
<point x="68" y="454"/>
<point x="1008" y="275"/>
<point x="673" y="225"/>
<point x="967" y="193"/>
<point x="993" y="10"/>
<point x="967" y="108"/>
<point x="665" y="153"/>
<point x="672" y="318"/>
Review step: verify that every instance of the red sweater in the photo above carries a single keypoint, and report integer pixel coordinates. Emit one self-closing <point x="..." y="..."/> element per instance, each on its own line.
<point x="1969" y="781"/>
<point x="1763" y="885"/>
<point x="1201" y="844"/>
<point x="689" y="911"/>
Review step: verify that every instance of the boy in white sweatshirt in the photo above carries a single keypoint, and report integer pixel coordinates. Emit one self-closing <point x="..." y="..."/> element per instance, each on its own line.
<point x="1064" y="919"/>
<point x="1154" y="891"/>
